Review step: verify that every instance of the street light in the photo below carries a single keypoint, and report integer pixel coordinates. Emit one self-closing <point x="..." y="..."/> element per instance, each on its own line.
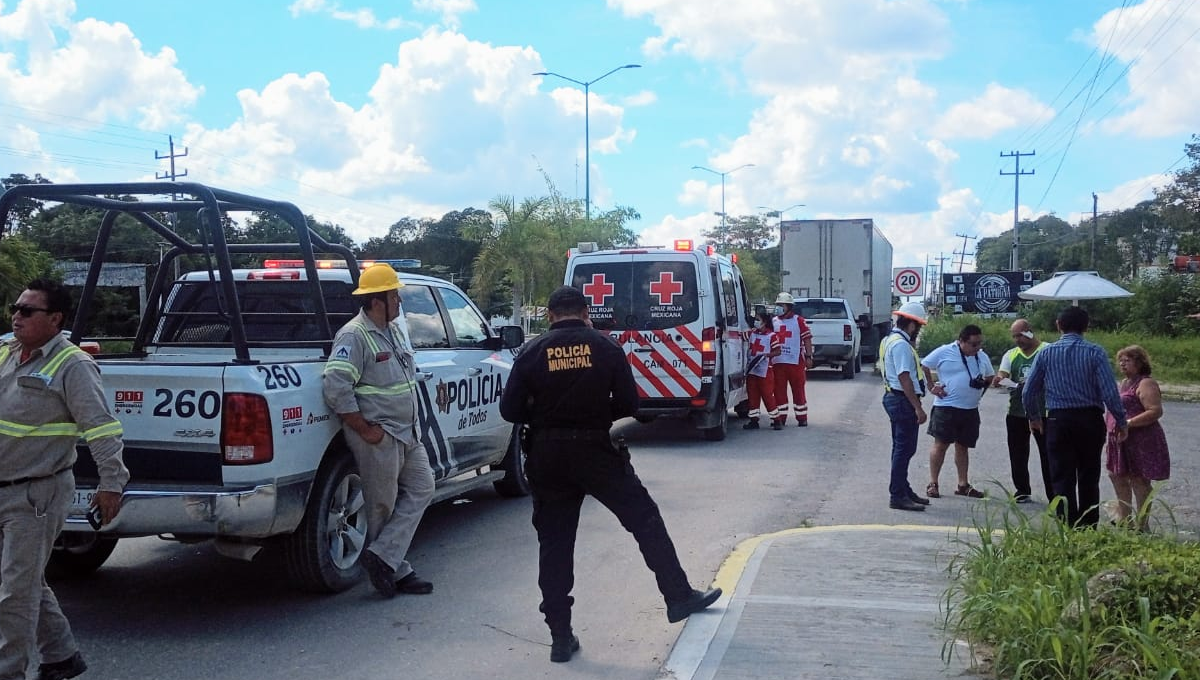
<point x="722" y="174"/>
<point x="587" y="147"/>
<point x="779" y="213"/>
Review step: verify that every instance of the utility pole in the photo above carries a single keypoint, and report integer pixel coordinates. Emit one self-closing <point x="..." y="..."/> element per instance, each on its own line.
<point x="172" y="175"/>
<point x="963" y="253"/>
<point x="941" y="259"/>
<point x="172" y="156"/>
<point x="1095" y="216"/>
<point x="1016" y="155"/>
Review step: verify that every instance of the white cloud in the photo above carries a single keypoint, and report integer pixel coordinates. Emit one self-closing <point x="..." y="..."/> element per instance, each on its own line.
<point x="1156" y="39"/>
<point x="998" y="109"/>
<point x="362" y="17"/>
<point x="90" y="66"/>
<point x="450" y="10"/>
<point x="643" y="98"/>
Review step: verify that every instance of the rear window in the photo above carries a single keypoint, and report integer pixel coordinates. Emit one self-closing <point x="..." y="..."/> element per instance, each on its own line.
<point x="821" y="309"/>
<point x="272" y="311"/>
<point x="639" y="294"/>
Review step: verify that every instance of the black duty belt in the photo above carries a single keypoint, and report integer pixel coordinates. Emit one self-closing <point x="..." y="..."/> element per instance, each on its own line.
<point x="26" y="480"/>
<point x="564" y="433"/>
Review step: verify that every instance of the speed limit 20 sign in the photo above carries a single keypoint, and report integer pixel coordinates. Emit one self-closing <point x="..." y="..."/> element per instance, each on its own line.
<point x="907" y="280"/>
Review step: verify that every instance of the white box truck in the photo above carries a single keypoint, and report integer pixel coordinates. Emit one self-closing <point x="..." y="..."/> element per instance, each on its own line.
<point x="849" y="259"/>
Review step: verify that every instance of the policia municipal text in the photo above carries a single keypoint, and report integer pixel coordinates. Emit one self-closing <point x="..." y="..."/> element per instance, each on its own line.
<point x="569" y="407"/>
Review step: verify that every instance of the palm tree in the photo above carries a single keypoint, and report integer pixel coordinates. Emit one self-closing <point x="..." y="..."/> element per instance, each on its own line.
<point x="514" y="246"/>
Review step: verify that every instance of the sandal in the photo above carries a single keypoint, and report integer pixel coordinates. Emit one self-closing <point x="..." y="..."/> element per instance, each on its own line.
<point x="969" y="491"/>
<point x="931" y="490"/>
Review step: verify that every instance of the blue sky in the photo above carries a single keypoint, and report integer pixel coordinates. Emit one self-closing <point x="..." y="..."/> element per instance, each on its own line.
<point x="364" y="112"/>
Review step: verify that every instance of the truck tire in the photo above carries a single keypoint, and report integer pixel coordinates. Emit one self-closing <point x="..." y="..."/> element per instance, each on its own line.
<point x="858" y="363"/>
<point x="322" y="554"/>
<point x="514" y="484"/>
<point x="79" y="554"/>
<point x="718" y="431"/>
<point x="848" y="370"/>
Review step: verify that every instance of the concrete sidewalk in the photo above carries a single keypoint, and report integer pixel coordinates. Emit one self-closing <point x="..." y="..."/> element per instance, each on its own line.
<point x="830" y="603"/>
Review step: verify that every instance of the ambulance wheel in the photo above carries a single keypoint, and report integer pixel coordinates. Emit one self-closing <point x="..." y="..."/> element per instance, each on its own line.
<point x="717" y="432"/>
<point x="848" y="370"/>
<point x="79" y="554"/>
<point x="322" y="554"/>
<point x="742" y="410"/>
<point x="514" y="484"/>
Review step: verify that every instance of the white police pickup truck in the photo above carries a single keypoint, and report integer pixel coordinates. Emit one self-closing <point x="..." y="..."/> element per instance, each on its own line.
<point x="227" y="435"/>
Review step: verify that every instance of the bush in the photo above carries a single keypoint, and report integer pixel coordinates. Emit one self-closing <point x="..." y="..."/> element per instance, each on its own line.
<point x="1052" y="602"/>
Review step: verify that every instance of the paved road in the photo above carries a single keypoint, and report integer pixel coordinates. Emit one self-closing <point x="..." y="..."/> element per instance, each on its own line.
<point x="172" y="611"/>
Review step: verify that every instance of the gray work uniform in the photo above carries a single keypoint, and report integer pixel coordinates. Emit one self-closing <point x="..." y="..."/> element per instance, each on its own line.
<point x="372" y="371"/>
<point x="46" y="404"/>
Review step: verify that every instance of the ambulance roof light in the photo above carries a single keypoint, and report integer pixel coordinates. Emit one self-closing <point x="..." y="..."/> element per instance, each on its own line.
<point x="684" y="244"/>
<point x="710" y="249"/>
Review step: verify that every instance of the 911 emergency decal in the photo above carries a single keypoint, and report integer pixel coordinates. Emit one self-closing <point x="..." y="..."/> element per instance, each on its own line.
<point x="469" y="396"/>
<point x="128" y="401"/>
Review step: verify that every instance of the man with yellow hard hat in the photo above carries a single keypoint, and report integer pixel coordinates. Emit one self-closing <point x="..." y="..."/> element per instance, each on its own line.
<point x="370" y="382"/>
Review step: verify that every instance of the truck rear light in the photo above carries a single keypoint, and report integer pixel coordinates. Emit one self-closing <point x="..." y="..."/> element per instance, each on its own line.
<point x="246" y="430"/>
<point x="847" y="332"/>
<point x="708" y="351"/>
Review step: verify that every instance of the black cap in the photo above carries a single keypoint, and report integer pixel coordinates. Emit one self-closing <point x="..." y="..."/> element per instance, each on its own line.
<point x="566" y="299"/>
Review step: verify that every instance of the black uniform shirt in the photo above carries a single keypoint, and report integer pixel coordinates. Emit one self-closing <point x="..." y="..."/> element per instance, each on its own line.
<point x="569" y="377"/>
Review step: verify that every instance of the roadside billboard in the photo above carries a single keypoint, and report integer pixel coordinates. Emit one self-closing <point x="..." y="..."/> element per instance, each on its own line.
<point x="987" y="293"/>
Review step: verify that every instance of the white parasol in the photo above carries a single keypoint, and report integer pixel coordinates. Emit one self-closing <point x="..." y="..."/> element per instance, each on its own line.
<point x="1075" y="286"/>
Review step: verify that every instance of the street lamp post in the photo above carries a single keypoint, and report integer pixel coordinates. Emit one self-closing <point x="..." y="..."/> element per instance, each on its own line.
<point x="779" y="213"/>
<point x="722" y="174"/>
<point x="587" y="147"/>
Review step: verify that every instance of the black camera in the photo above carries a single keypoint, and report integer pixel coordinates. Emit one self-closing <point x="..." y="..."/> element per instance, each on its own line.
<point x="979" y="382"/>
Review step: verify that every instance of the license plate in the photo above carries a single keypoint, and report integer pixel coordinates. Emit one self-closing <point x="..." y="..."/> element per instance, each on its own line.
<point x="82" y="502"/>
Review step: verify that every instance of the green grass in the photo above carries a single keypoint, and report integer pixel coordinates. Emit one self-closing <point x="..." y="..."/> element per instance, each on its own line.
<point x="1176" y="360"/>
<point x="1049" y="602"/>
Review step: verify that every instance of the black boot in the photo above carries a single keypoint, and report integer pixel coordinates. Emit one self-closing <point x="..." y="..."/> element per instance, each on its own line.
<point x="751" y="425"/>
<point x="563" y="647"/>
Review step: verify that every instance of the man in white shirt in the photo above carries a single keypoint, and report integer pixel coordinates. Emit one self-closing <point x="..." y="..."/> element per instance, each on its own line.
<point x="963" y="372"/>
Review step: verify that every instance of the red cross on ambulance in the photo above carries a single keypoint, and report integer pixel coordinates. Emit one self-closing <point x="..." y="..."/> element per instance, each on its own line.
<point x="598" y="290"/>
<point x="666" y="288"/>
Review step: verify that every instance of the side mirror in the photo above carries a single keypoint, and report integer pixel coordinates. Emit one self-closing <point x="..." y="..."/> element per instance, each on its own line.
<point x="511" y="337"/>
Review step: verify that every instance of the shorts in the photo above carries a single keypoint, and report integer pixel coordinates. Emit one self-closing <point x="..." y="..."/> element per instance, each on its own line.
<point x="955" y="425"/>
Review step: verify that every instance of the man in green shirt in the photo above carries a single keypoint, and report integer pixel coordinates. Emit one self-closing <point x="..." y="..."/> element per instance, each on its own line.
<point x="1013" y="367"/>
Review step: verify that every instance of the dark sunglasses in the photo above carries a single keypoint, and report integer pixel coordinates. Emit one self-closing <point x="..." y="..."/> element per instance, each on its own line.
<point x="26" y="310"/>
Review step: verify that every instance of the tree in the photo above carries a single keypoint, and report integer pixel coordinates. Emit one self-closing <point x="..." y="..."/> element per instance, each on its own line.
<point x="514" y="249"/>
<point x="23" y="210"/>
<point x="744" y="232"/>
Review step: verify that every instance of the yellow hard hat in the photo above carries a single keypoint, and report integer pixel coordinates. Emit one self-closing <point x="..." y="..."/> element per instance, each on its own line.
<point x="378" y="278"/>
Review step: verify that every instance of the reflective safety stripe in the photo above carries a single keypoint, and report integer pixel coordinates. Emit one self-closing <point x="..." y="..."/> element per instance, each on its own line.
<point x="343" y="366"/>
<point x="112" y="429"/>
<point x="7" y="427"/>
<point x="888" y="341"/>
<point x="389" y="391"/>
<point x="18" y="430"/>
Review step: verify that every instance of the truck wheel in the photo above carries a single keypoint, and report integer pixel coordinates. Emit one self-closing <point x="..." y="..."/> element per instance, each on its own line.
<point x="322" y="554"/>
<point x="848" y="370"/>
<point x="79" y="554"/>
<point x="717" y="432"/>
<point x="858" y="363"/>
<point x="514" y="484"/>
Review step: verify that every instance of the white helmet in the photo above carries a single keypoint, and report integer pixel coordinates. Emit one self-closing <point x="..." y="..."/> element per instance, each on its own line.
<point x="785" y="299"/>
<point x="912" y="310"/>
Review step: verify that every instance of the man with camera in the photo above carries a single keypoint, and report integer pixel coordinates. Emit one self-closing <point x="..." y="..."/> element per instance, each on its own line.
<point x="963" y="373"/>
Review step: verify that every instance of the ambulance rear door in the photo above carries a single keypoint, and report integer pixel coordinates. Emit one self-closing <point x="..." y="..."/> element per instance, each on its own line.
<point x="650" y="303"/>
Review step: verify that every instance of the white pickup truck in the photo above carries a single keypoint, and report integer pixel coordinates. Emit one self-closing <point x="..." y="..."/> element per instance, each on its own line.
<point x="836" y="336"/>
<point x="227" y="435"/>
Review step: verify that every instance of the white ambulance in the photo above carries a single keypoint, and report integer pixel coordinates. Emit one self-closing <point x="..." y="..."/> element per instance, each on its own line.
<point x="683" y="317"/>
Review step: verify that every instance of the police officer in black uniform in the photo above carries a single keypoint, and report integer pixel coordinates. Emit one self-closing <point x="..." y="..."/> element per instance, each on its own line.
<point x="569" y="385"/>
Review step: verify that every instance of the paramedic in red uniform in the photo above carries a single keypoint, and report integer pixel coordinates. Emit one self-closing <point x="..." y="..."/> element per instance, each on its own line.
<point x="795" y="357"/>
<point x="568" y="385"/>
<point x="760" y="380"/>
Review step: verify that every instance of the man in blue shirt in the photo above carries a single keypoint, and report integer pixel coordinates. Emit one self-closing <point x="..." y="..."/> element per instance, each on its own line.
<point x="1077" y="381"/>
